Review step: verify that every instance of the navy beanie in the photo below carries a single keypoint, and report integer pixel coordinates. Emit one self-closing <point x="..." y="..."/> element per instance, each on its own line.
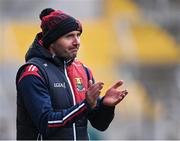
<point x="55" y="23"/>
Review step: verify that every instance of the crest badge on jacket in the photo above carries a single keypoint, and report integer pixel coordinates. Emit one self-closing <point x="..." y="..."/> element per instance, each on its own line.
<point x="79" y="84"/>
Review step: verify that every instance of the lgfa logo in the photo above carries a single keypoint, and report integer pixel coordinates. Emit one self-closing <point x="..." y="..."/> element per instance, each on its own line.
<point x="60" y="85"/>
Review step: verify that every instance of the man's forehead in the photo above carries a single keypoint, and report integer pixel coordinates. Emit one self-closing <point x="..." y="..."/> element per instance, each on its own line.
<point x="72" y="32"/>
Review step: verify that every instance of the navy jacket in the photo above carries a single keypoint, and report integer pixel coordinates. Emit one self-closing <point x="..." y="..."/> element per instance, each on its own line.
<point x="51" y="98"/>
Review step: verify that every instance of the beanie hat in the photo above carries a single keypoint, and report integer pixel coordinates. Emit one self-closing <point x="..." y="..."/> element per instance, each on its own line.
<point x="55" y="23"/>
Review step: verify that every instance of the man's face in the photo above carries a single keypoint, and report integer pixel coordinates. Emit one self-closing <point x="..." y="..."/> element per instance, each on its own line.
<point x="67" y="45"/>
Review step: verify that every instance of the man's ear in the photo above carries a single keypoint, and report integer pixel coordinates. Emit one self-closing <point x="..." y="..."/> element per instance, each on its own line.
<point x="51" y="48"/>
<point x="51" y="45"/>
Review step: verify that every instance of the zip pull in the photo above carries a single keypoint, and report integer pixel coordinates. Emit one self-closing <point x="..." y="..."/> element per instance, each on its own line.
<point x="39" y="136"/>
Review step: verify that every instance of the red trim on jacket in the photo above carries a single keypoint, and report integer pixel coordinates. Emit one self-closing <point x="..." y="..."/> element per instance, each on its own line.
<point x="68" y="119"/>
<point x="78" y="78"/>
<point x="30" y="70"/>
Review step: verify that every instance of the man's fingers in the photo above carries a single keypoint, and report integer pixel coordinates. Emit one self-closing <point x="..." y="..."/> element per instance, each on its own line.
<point x="93" y="92"/>
<point x="98" y="84"/>
<point x="116" y="85"/>
<point x="96" y="95"/>
<point x="96" y="87"/>
<point x="91" y="83"/>
<point x="123" y="94"/>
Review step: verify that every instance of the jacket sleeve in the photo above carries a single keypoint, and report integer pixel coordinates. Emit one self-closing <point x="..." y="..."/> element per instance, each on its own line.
<point x="101" y="116"/>
<point x="37" y="101"/>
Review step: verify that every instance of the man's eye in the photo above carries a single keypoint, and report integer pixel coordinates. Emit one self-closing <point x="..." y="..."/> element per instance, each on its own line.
<point x="78" y="35"/>
<point x="72" y="35"/>
<point x="68" y="36"/>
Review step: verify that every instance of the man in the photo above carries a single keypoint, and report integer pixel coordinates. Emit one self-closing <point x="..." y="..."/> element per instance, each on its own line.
<point x="56" y="93"/>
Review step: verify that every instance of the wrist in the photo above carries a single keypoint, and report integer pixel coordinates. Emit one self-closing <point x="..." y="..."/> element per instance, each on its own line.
<point x="88" y="105"/>
<point x="93" y="105"/>
<point x="106" y="106"/>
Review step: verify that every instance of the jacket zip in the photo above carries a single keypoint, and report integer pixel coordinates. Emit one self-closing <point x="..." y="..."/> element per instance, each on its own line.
<point x="74" y="101"/>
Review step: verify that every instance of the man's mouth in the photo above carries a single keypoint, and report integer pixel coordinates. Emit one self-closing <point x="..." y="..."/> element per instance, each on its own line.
<point x="74" y="49"/>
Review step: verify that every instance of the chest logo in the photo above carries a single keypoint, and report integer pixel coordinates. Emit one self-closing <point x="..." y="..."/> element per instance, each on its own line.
<point x="60" y="85"/>
<point x="79" y="84"/>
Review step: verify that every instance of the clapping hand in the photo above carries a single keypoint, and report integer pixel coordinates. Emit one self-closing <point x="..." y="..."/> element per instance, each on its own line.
<point x="113" y="96"/>
<point x="93" y="93"/>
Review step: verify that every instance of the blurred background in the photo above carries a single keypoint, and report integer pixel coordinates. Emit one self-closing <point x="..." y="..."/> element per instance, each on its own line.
<point x="134" y="40"/>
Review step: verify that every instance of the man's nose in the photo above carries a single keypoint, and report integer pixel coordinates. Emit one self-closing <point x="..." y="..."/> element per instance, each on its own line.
<point x="76" y="41"/>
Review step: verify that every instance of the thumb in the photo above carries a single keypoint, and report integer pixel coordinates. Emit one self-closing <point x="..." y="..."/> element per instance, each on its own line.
<point x="90" y="83"/>
<point x="117" y="84"/>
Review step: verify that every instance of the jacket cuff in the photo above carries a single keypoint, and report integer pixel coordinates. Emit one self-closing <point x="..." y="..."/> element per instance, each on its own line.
<point x="106" y="108"/>
<point x="88" y="106"/>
